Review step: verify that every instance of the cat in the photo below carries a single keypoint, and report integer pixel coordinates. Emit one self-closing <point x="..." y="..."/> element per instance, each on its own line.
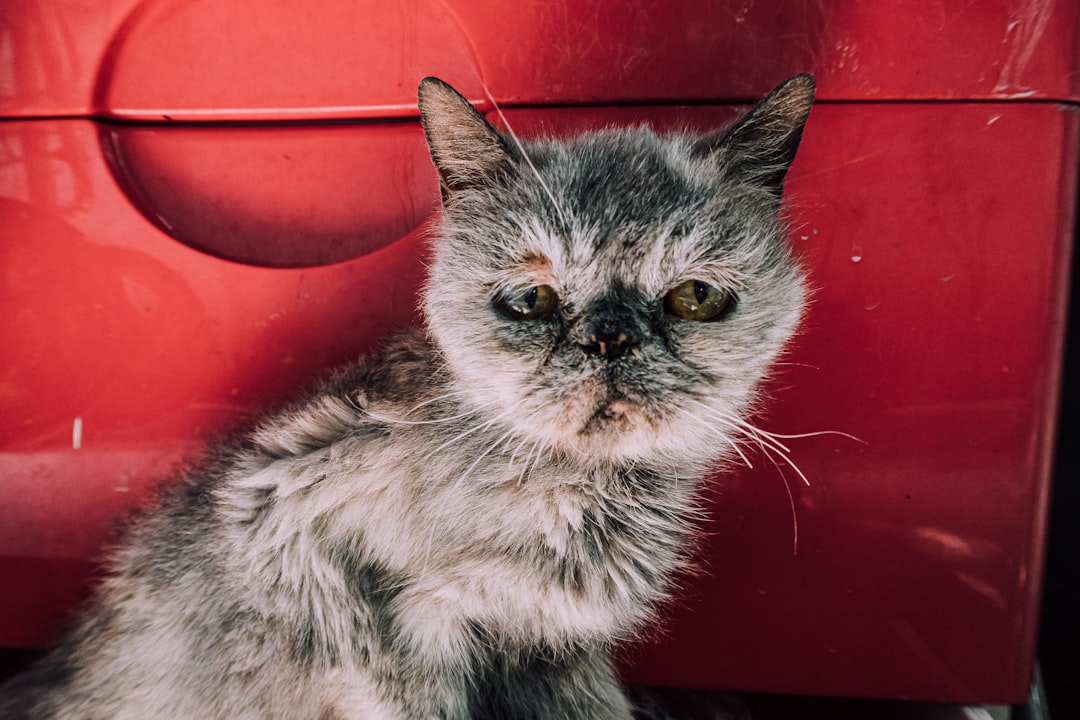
<point x="463" y="525"/>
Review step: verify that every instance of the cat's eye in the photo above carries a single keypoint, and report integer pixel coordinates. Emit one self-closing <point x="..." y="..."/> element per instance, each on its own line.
<point x="533" y="303"/>
<point x="699" y="301"/>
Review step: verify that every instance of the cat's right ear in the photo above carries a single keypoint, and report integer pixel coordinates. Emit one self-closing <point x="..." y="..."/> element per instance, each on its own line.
<point x="760" y="147"/>
<point x="466" y="150"/>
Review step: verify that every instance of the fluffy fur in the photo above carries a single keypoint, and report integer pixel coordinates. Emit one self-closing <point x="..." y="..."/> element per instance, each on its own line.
<point x="463" y="525"/>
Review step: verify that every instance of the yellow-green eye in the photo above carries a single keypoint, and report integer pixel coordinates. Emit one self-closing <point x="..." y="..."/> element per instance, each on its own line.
<point x="534" y="303"/>
<point x="698" y="301"/>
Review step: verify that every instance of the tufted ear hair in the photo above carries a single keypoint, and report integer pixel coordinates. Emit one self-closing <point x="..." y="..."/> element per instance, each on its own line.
<point x="466" y="150"/>
<point x="760" y="147"/>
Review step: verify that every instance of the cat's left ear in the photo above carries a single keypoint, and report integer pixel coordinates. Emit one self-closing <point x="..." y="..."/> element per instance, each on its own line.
<point x="761" y="146"/>
<point x="466" y="150"/>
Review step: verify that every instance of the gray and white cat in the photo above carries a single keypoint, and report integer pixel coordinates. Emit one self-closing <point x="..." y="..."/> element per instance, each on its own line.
<point x="464" y="525"/>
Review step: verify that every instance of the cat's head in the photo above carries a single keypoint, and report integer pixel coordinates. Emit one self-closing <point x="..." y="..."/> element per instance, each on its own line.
<point x="619" y="295"/>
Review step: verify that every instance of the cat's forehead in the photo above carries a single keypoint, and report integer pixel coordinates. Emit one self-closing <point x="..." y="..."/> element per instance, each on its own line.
<point x="589" y="260"/>
<point x="622" y="178"/>
<point x="626" y="208"/>
<point x="621" y="196"/>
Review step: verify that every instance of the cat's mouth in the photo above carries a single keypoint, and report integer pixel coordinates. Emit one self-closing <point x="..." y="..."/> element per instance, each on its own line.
<point x="614" y="414"/>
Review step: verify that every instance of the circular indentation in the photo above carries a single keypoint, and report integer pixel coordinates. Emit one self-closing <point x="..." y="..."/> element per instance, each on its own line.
<point x="291" y="196"/>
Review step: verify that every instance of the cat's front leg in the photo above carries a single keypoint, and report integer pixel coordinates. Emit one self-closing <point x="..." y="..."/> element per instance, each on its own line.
<point x="574" y="684"/>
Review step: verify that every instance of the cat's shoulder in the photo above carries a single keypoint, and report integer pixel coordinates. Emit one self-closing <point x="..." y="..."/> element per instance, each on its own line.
<point x="407" y="351"/>
<point x="400" y="370"/>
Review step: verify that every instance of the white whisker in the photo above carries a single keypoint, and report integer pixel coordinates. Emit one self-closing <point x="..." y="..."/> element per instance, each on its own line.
<point x="768" y="452"/>
<point x="525" y="155"/>
<point x="759" y="434"/>
<point x="541" y="450"/>
<point x="732" y="442"/>
<point x="738" y="449"/>
<point x="765" y="439"/>
<point x="525" y="464"/>
<point x="514" y="454"/>
<point x="794" y="512"/>
<point x="437" y="398"/>
<point x="490" y="448"/>
<point x="767" y="443"/>
<point x="462" y="435"/>
<point x="817" y="433"/>
<point x="435" y="421"/>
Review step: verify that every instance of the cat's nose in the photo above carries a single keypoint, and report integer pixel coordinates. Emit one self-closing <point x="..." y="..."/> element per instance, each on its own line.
<point x="611" y="342"/>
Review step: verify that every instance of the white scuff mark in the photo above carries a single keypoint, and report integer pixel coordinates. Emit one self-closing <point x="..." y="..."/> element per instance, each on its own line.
<point x="76" y="434"/>
<point x="739" y="15"/>
<point x="986" y="712"/>
<point x="846" y="163"/>
<point x="1027" y="24"/>
<point x="993" y="120"/>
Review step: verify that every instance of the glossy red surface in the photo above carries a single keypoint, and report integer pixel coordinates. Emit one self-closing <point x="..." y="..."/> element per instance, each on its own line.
<point x="935" y="339"/>
<point x="937" y="233"/>
<point x="258" y="59"/>
<point x="335" y="191"/>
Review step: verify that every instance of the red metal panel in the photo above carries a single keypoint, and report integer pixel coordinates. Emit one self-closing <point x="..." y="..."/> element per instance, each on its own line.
<point x="278" y="196"/>
<point x="939" y="239"/>
<point x="259" y="59"/>
<point x="123" y="350"/>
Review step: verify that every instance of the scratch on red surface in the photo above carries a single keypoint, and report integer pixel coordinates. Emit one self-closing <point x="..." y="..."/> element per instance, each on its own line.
<point x="1028" y="20"/>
